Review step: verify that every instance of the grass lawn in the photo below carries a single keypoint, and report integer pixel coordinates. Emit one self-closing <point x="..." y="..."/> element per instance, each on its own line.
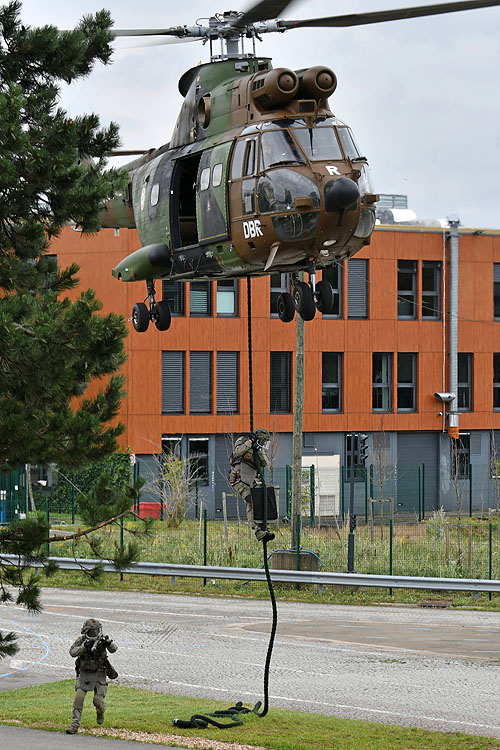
<point x="140" y="714"/>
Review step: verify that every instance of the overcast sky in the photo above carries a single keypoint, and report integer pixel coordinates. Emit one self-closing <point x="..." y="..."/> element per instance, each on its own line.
<point x="422" y="96"/>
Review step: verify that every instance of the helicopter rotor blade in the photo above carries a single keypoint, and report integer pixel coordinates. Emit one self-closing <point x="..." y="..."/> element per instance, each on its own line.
<point x="174" y="31"/>
<point x="398" y="14"/>
<point x="264" y="10"/>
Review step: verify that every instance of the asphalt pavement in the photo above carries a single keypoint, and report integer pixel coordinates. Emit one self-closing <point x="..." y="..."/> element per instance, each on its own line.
<point x="435" y="669"/>
<point x="18" y="738"/>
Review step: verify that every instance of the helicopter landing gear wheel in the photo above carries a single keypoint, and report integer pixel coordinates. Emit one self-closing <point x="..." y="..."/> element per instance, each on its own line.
<point x="324" y="297"/>
<point x="285" y="307"/>
<point x="161" y="316"/>
<point x="140" y="317"/>
<point x="303" y="300"/>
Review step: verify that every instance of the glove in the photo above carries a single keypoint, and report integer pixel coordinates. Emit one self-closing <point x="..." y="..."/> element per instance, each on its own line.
<point x="88" y="644"/>
<point x="107" y="640"/>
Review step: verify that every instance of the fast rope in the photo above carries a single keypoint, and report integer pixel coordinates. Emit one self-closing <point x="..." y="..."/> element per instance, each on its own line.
<point x="201" y="721"/>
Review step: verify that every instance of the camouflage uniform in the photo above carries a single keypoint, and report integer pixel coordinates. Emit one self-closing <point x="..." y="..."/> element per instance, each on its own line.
<point x="92" y="667"/>
<point x="244" y="474"/>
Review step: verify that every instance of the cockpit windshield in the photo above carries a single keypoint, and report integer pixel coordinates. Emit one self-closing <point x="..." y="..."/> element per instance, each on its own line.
<point x="318" y="144"/>
<point x="277" y="148"/>
<point x="349" y="144"/>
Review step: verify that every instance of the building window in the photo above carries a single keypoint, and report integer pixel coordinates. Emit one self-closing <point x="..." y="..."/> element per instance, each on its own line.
<point x="460" y="457"/>
<point x="333" y="274"/>
<point x="431" y="290"/>
<point x="407" y="289"/>
<point x="200" y="298"/>
<point x="407" y="381"/>
<point x="280" y="282"/>
<point x="171" y="445"/>
<point x="173" y="293"/>
<point x="496" y="382"/>
<point x="464" y="382"/>
<point x="198" y="459"/>
<point x="227" y="382"/>
<point x="357" y="288"/>
<point x="381" y="381"/>
<point x="331" y="381"/>
<point x="172" y="382"/>
<point x="200" y="382"/>
<point x="227" y="298"/>
<point x="281" y="382"/>
<point x="496" y="290"/>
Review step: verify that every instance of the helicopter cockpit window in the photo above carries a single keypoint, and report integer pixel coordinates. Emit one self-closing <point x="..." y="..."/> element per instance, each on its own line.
<point x="318" y="144"/>
<point x="348" y="143"/>
<point x="277" y="190"/>
<point x="249" y="166"/>
<point x="239" y="152"/>
<point x="205" y="179"/>
<point x="217" y="175"/>
<point x="278" y="147"/>
<point x="155" y="194"/>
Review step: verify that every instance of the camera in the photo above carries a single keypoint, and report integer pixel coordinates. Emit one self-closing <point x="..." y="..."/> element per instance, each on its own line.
<point x="445" y="397"/>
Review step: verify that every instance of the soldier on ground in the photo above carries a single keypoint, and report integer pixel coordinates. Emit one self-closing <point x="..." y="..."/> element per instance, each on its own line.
<point x="92" y="667"/>
<point x="245" y="474"/>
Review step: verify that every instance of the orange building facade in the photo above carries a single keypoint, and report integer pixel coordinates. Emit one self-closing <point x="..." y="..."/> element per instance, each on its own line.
<point x="373" y="367"/>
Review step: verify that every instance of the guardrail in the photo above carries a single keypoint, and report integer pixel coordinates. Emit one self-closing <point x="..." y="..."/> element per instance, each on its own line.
<point x="321" y="578"/>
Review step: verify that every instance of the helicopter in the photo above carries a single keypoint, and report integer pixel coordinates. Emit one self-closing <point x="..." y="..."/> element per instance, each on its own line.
<point x="259" y="177"/>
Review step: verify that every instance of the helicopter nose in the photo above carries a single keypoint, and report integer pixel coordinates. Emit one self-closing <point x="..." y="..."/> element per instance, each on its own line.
<point x="341" y="194"/>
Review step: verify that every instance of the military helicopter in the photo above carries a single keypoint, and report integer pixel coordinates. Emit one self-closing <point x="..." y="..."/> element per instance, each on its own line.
<point x="259" y="176"/>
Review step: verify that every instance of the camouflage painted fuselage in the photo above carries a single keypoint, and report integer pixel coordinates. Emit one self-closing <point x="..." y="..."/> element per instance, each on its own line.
<point x="259" y="177"/>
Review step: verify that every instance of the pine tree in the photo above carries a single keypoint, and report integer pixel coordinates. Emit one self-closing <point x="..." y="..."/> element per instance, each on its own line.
<point x="52" y="173"/>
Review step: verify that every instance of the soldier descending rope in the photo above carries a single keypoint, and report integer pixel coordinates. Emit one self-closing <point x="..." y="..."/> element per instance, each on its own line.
<point x="92" y="667"/>
<point x="245" y="474"/>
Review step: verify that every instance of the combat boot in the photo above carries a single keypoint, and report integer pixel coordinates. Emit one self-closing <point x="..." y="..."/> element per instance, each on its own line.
<point x="263" y="534"/>
<point x="72" y="730"/>
<point x="100" y="717"/>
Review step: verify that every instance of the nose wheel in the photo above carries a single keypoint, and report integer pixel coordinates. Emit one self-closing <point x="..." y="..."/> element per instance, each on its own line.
<point x="158" y="312"/>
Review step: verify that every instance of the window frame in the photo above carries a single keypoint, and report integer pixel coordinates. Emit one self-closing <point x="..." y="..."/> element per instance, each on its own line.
<point x="465" y="387"/>
<point x="325" y="384"/>
<point x="220" y="409"/>
<point x="180" y="286"/>
<point x="203" y="479"/>
<point x="460" y="457"/>
<point x="206" y="393"/>
<point x="436" y="267"/>
<point x="235" y="294"/>
<point x="496" y="383"/>
<point x="286" y="383"/>
<point x="201" y="284"/>
<point x="407" y="385"/>
<point x="383" y="386"/>
<point x="403" y="293"/>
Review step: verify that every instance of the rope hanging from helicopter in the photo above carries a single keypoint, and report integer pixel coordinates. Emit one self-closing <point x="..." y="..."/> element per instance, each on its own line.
<point x="201" y="721"/>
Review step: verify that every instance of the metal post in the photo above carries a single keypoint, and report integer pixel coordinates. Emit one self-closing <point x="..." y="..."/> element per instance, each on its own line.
<point x="289" y="491"/>
<point x="352" y="518"/>
<point x="366" y="496"/>
<point x="47" y="516"/>
<point x="297" y="585"/>
<point x="204" y="541"/>
<point x="73" y="499"/>
<point x="390" y="551"/>
<point x="470" y="490"/>
<point x="121" y="543"/>
<point x="419" y="496"/>
<point x="342" y="489"/>
<point x="423" y="492"/>
<point x="312" y="486"/>
<point x="196" y="501"/>
<point x="490" y="554"/>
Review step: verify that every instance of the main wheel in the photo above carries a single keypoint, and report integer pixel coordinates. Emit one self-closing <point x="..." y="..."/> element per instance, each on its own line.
<point x="303" y="300"/>
<point x="161" y="316"/>
<point x="140" y="317"/>
<point x="325" y="298"/>
<point x="285" y="307"/>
